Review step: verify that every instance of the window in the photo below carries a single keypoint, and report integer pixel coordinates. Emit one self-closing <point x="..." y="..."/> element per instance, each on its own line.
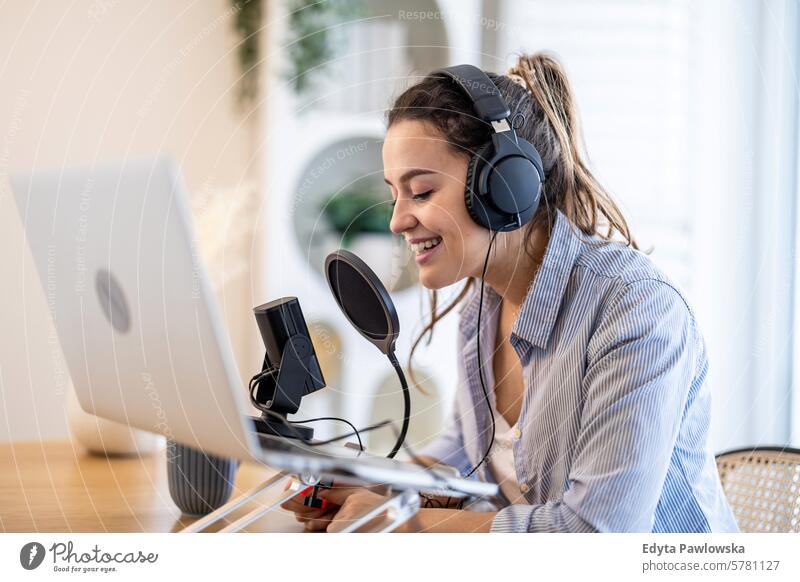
<point x="689" y="114"/>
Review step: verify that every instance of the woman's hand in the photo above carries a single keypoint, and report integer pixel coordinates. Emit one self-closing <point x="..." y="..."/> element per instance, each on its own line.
<point x="351" y="503"/>
<point x="315" y="519"/>
<point x="346" y="503"/>
<point x="354" y="502"/>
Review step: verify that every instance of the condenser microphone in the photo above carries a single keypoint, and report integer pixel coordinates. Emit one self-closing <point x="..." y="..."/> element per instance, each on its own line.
<point x="368" y="307"/>
<point x="290" y="370"/>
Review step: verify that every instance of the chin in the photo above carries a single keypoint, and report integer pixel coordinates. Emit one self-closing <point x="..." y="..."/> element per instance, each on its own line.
<point x="434" y="280"/>
<point x="429" y="280"/>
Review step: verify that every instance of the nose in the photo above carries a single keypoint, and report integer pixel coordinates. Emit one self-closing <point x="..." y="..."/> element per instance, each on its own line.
<point x="402" y="218"/>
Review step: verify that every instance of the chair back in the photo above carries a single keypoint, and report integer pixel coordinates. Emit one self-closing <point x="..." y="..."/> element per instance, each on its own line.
<point x="762" y="485"/>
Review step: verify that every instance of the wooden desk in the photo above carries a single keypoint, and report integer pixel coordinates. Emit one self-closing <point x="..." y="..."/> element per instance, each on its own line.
<point x="51" y="486"/>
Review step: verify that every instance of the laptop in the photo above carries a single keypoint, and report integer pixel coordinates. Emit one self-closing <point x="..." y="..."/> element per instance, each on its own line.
<point x="140" y="327"/>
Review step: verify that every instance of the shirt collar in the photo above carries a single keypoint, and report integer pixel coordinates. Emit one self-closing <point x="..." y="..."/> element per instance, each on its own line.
<point x="539" y="310"/>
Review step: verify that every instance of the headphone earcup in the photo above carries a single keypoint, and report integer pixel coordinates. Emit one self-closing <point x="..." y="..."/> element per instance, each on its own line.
<point x="476" y="206"/>
<point x="483" y="206"/>
<point x="514" y="186"/>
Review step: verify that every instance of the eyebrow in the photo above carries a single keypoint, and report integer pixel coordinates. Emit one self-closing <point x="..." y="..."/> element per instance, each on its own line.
<point x="411" y="174"/>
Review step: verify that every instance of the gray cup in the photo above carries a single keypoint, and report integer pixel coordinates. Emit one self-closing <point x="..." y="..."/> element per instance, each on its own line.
<point x="199" y="482"/>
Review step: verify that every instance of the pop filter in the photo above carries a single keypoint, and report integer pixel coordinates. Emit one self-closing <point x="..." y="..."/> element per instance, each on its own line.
<point x="368" y="307"/>
<point x="363" y="299"/>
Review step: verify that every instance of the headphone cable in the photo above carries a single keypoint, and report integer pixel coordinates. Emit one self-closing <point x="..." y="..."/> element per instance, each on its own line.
<point x="480" y="362"/>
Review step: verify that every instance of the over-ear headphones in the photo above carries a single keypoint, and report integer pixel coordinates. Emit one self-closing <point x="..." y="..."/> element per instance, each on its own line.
<point x="505" y="175"/>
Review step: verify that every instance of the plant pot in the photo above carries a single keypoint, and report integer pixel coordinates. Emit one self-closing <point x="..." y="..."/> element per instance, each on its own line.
<point x="198" y="482"/>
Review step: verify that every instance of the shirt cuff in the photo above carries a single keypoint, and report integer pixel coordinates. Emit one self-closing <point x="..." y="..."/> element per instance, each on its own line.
<point x="512" y="519"/>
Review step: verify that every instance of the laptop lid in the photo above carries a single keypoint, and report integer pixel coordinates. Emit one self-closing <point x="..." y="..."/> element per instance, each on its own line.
<point x="136" y="317"/>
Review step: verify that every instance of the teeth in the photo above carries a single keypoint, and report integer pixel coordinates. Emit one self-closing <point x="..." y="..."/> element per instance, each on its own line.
<point x="425" y="245"/>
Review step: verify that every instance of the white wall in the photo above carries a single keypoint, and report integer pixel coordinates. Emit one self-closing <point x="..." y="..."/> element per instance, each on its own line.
<point x="102" y="79"/>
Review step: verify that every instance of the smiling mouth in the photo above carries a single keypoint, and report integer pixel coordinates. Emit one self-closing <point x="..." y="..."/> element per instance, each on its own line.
<point x="426" y="245"/>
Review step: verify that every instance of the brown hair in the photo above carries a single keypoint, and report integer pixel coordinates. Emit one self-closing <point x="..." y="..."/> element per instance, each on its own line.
<point x="537" y="88"/>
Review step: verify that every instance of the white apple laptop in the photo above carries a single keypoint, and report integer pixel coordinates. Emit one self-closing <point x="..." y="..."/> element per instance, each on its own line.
<point x="139" y="325"/>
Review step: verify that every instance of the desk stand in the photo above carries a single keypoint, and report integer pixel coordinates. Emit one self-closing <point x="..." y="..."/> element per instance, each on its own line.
<point x="399" y="507"/>
<point x="233" y="504"/>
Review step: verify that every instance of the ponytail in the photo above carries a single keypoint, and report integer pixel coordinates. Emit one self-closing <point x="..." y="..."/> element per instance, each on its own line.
<point x="571" y="187"/>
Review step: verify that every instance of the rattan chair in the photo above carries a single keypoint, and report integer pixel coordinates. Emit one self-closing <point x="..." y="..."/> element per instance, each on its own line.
<point x="762" y="485"/>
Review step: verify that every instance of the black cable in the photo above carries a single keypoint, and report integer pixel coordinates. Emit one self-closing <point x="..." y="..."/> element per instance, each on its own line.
<point x="400" y="442"/>
<point x="429" y="501"/>
<point x="311" y="443"/>
<point x="401" y="436"/>
<point x="406" y="406"/>
<point x="372" y="427"/>
<point x="480" y="363"/>
<point x="255" y="380"/>
<point x="347" y="422"/>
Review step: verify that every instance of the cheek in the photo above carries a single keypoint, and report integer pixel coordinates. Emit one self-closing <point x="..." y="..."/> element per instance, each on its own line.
<point x="472" y="249"/>
<point x="464" y="241"/>
<point x="464" y="238"/>
<point x="453" y="222"/>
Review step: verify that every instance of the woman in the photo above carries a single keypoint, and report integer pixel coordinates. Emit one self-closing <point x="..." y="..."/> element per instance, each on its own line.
<point x="598" y="409"/>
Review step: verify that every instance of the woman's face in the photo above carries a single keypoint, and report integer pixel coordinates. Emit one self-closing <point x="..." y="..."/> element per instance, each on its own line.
<point x="427" y="181"/>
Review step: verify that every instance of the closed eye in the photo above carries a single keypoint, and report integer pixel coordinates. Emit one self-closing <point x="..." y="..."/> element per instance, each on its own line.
<point x="418" y="197"/>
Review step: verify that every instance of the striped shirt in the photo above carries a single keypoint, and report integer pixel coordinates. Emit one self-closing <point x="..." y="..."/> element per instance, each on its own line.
<point x="613" y="430"/>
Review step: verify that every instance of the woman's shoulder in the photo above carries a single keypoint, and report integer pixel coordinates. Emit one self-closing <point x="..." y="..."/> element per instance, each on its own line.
<point x="617" y="260"/>
<point x="623" y="270"/>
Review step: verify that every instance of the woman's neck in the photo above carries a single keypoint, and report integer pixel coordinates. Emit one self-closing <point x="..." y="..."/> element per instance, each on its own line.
<point x="511" y="268"/>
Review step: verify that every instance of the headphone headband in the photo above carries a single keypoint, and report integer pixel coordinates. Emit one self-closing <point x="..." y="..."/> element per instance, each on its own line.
<point x="505" y="175"/>
<point x="484" y="94"/>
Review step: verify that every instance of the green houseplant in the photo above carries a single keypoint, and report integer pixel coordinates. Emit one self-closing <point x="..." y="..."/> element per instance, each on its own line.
<point x="355" y="212"/>
<point x="309" y="44"/>
<point x="248" y="22"/>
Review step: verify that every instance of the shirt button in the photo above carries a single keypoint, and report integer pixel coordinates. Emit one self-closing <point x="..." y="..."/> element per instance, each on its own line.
<point x="517" y="433"/>
<point x="524" y="487"/>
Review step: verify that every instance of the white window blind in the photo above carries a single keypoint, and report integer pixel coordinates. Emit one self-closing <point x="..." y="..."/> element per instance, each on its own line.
<point x="628" y="63"/>
<point x="689" y="111"/>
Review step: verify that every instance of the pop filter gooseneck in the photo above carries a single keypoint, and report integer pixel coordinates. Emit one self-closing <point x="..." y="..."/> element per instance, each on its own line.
<point x="367" y="305"/>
